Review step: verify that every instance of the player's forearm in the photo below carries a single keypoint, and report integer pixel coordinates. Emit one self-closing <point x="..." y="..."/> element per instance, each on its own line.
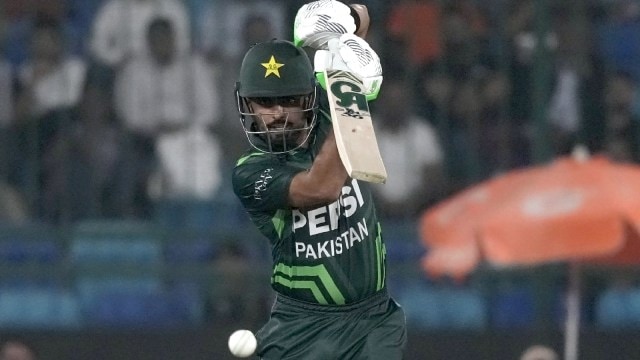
<point x="322" y="183"/>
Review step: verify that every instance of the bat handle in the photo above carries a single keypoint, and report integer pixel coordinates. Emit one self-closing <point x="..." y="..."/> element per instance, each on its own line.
<point x="360" y="14"/>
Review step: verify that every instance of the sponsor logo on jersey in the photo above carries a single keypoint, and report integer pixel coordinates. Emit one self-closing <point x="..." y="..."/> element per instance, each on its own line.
<point x="260" y="186"/>
<point x="324" y="219"/>
<point x="333" y="247"/>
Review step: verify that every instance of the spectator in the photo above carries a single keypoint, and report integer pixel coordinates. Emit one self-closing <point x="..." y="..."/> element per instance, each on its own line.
<point x="51" y="79"/>
<point x="434" y="89"/>
<point x="502" y="145"/>
<point x="464" y="33"/>
<point x="50" y="85"/>
<point x="539" y="352"/>
<point x="465" y="133"/>
<point x="523" y="43"/>
<point x="167" y="102"/>
<point x="13" y="206"/>
<point x="230" y="302"/>
<point x="120" y="27"/>
<point x="622" y="122"/>
<point x="25" y="18"/>
<point x="227" y="30"/>
<point x="618" y="40"/>
<point x="88" y="185"/>
<point x="6" y="114"/>
<point x="414" y="28"/>
<point x="572" y="69"/>
<point x="17" y="350"/>
<point x="411" y="151"/>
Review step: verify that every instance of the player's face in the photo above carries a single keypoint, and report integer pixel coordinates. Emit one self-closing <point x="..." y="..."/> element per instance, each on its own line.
<point x="282" y="118"/>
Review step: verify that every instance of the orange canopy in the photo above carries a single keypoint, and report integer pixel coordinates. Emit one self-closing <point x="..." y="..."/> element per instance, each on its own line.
<point x="568" y="210"/>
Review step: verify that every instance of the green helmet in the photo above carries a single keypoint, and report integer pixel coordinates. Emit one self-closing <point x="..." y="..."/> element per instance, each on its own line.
<point x="275" y="68"/>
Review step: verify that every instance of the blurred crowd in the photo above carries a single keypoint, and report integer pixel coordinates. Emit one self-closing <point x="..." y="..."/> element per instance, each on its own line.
<point x="125" y="109"/>
<point x="111" y="107"/>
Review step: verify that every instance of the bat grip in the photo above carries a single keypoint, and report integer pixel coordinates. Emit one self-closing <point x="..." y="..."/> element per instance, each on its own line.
<point x="361" y="18"/>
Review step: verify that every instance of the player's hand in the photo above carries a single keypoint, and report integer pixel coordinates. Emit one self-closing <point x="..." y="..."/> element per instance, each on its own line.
<point x="351" y="53"/>
<point x="319" y="21"/>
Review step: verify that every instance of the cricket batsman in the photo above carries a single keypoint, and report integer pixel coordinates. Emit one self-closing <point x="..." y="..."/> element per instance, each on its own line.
<point x="327" y="244"/>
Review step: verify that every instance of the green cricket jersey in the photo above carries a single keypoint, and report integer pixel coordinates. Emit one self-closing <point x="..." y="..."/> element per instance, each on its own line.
<point x="332" y="254"/>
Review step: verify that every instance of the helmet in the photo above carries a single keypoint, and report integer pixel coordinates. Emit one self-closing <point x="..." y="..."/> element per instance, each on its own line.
<point x="276" y="69"/>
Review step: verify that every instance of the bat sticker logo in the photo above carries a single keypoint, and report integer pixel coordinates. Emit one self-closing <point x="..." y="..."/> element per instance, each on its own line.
<point x="347" y="95"/>
<point x="348" y="98"/>
<point x="352" y="113"/>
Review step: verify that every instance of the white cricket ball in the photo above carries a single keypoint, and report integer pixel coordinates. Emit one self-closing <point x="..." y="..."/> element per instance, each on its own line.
<point x="242" y="343"/>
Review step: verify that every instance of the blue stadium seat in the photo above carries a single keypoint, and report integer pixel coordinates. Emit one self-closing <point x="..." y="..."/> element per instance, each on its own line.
<point x="421" y="304"/>
<point x="38" y="308"/>
<point x="432" y="306"/>
<point x="513" y="308"/>
<point x="618" y="308"/>
<point x="402" y="241"/>
<point x="128" y="310"/>
<point x="465" y="307"/>
<point x="158" y="308"/>
<point x="115" y="242"/>
<point x="31" y="251"/>
<point x="33" y="243"/>
<point x="405" y="251"/>
<point x="200" y="215"/>
<point x="88" y="287"/>
<point x="634" y="307"/>
<point x="199" y="250"/>
<point x="188" y="299"/>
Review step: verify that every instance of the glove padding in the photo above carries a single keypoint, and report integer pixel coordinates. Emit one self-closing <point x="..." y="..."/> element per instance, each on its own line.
<point x="353" y="54"/>
<point x="319" y="21"/>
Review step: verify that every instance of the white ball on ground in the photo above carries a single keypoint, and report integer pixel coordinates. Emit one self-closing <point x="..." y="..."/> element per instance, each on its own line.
<point x="242" y="343"/>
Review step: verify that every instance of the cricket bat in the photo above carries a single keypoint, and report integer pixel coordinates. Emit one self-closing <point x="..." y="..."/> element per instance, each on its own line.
<point x="352" y="124"/>
<point x="353" y="127"/>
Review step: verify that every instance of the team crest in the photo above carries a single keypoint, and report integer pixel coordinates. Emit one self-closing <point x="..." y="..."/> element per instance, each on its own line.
<point x="272" y="67"/>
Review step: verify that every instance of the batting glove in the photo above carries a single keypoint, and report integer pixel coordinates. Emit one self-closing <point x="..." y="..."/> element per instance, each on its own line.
<point x="353" y="54"/>
<point x="319" y="21"/>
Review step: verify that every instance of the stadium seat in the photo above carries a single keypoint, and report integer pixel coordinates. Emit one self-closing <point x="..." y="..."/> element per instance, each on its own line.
<point x="618" y="308"/>
<point x="38" y="308"/>
<point x="401" y="241"/>
<point x="30" y="243"/>
<point x="115" y="242"/>
<point x="144" y="308"/>
<point x="199" y="215"/>
<point x="421" y="304"/>
<point x="200" y="250"/>
<point x="513" y="308"/>
<point x="434" y="306"/>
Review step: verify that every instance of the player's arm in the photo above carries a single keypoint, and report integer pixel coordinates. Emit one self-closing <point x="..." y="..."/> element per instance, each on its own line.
<point x="323" y="182"/>
<point x="328" y="26"/>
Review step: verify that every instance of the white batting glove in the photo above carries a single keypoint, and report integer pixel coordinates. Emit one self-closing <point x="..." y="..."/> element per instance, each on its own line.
<point x="319" y="21"/>
<point x="353" y="54"/>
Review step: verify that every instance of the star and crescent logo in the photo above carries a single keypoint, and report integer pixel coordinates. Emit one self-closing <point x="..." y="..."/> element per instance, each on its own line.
<point x="272" y="67"/>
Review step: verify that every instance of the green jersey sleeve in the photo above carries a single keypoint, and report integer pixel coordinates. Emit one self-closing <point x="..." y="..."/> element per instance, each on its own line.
<point x="262" y="184"/>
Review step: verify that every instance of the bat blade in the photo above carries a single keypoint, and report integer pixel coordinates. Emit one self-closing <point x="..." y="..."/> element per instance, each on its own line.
<point x="353" y="127"/>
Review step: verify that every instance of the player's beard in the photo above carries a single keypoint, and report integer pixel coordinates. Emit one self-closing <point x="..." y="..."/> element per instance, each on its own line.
<point x="283" y="136"/>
